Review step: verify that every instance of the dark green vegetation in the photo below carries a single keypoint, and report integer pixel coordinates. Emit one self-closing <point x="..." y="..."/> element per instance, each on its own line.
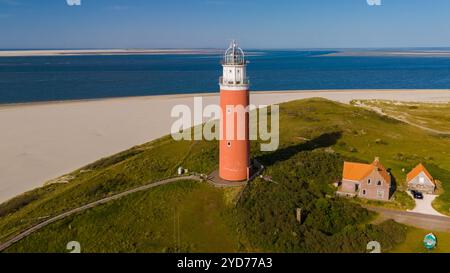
<point x="316" y="135"/>
<point x="266" y="213"/>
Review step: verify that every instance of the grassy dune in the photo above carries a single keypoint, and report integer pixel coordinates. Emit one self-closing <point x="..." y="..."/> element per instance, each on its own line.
<point x="316" y="135"/>
<point x="431" y="115"/>
<point x="193" y="216"/>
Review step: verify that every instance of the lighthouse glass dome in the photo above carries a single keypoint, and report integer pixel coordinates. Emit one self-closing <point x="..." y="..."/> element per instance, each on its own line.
<point x="234" y="55"/>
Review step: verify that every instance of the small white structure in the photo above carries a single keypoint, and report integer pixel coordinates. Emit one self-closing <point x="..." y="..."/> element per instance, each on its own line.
<point x="299" y="215"/>
<point x="180" y="171"/>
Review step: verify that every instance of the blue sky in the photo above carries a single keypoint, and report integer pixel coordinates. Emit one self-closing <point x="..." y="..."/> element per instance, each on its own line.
<point x="212" y="23"/>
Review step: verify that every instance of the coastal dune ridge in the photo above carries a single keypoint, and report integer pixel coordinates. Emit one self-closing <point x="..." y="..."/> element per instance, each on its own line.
<point x="45" y="140"/>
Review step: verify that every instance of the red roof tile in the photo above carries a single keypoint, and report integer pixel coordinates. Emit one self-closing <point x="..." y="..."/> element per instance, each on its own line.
<point x="358" y="171"/>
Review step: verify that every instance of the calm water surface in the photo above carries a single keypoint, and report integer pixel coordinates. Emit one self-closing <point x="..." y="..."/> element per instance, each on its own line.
<point x="31" y="79"/>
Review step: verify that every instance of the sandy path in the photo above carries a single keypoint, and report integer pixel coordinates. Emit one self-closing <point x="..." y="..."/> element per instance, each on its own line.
<point x="39" y="142"/>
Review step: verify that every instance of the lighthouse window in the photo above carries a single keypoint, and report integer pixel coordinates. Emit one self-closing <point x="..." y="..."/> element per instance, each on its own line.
<point x="229" y="144"/>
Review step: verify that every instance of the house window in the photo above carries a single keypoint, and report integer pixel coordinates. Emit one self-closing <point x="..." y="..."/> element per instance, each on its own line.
<point x="422" y="180"/>
<point x="368" y="182"/>
<point x="379" y="183"/>
<point x="364" y="192"/>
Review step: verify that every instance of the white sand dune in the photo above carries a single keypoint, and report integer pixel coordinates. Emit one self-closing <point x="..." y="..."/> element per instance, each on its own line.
<point x="42" y="141"/>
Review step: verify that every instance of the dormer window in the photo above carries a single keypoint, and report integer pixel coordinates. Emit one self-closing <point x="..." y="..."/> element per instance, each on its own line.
<point x="369" y="182"/>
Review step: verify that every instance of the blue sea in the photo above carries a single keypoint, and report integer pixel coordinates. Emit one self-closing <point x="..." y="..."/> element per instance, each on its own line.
<point x="32" y="79"/>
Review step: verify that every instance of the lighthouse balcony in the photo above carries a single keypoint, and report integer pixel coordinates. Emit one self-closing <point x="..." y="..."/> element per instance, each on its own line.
<point x="224" y="82"/>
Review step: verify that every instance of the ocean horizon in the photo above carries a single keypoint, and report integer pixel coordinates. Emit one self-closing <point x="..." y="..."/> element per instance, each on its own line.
<point x="59" y="78"/>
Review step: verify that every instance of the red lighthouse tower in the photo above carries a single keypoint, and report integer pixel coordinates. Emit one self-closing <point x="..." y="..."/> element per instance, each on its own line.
<point x="234" y="100"/>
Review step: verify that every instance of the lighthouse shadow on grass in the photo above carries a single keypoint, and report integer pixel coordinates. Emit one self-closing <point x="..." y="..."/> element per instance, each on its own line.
<point x="285" y="153"/>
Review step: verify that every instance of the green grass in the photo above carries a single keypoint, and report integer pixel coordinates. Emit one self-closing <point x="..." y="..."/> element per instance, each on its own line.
<point x="414" y="242"/>
<point x="146" y="222"/>
<point x="442" y="202"/>
<point x="314" y="125"/>
<point x="140" y="165"/>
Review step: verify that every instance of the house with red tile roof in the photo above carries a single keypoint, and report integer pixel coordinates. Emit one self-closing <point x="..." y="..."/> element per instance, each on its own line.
<point x="369" y="181"/>
<point x="419" y="179"/>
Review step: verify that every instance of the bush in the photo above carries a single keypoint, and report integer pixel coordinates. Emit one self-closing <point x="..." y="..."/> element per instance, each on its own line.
<point x="23" y="200"/>
<point x="17" y="203"/>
